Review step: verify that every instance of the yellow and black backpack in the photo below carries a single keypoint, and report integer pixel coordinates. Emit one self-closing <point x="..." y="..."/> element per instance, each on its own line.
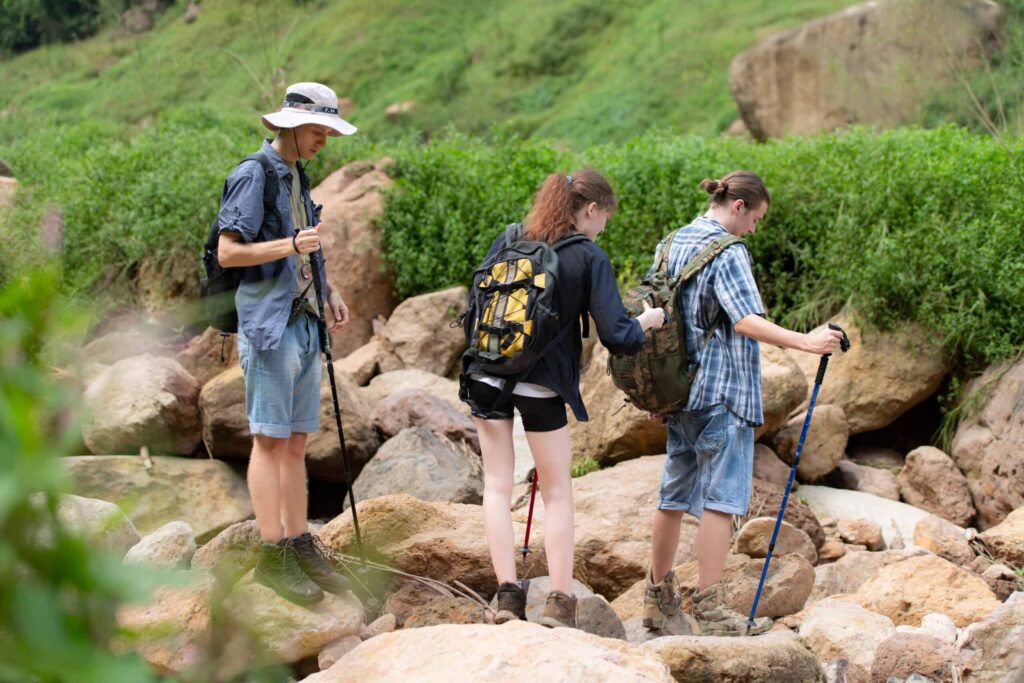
<point x="512" y="316"/>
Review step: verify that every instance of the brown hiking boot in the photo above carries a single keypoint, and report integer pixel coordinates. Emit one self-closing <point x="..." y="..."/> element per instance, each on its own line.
<point x="278" y="569"/>
<point x="312" y="556"/>
<point x="511" y="602"/>
<point x="559" y="610"/>
<point x="716" y="619"/>
<point x="661" y="600"/>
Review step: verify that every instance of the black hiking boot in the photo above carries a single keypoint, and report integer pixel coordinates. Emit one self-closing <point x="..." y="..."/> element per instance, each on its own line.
<point x="511" y="602"/>
<point x="312" y="556"/>
<point x="278" y="569"/>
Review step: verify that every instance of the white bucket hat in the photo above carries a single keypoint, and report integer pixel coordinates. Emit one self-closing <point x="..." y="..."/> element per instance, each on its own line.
<point x="309" y="103"/>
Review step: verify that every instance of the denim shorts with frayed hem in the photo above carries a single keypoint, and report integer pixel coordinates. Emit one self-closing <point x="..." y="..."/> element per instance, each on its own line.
<point x="710" y="463"/>
<point x="282" y="386"/>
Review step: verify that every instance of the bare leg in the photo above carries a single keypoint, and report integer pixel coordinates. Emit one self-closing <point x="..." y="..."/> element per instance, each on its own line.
<point x="713" y="536"/>
<point x="294" y="495"/>
<point x="552" y="453"/>
<point x="499" y="465"/>
<point x="264" y="485"/>
<point x="664" y="542"/>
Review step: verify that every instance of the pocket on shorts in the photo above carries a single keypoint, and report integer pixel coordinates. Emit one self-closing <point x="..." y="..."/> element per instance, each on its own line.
<point x="714" y="435"/>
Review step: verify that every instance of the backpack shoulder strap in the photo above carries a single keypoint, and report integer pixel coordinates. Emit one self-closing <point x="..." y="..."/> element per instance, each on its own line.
<point x="270" y="185"/>
<point x="571" y="239"/>
<point x="706" y="256"/>
<point x="661" y="264"/>
<point x="513" y="233"/>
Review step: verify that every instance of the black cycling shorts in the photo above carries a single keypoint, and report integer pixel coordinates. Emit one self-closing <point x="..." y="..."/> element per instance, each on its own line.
<point x="539" y="414"/>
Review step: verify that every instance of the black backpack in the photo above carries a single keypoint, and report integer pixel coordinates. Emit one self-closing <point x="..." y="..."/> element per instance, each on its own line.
<point x="512" y="317"/>
<point x="217" y="289"/>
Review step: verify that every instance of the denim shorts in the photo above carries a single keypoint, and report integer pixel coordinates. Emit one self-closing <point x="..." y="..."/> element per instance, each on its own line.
<point x="282" y="386"/>
<point x="710" y="462"/>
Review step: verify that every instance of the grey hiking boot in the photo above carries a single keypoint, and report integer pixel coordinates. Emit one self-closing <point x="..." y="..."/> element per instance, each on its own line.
<point x="661" y="600"/>
<point x="716" y="619"/>
<point x="278" y="569"/>
<point x="312" y="556"/>
<point x="511" y="602"/>
<point x="559" y="610"/>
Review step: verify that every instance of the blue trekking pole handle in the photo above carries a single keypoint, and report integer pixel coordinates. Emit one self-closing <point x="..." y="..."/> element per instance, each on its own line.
<point x="844" y="345"/>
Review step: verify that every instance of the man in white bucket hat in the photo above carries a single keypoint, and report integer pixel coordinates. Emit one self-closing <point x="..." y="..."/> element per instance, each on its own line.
<point x="269" y="226"/>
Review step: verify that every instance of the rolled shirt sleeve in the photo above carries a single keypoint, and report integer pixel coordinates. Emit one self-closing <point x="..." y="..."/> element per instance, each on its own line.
<point x="734" y="285"/>
<point x="241" y="206"/>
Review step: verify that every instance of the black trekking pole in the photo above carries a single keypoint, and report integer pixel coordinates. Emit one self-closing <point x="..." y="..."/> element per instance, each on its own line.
<point x="844" y="345"/>
<point x="325" y="345"/>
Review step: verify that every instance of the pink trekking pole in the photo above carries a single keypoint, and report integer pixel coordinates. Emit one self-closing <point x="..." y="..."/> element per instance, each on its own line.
<point x="529" y="517"/>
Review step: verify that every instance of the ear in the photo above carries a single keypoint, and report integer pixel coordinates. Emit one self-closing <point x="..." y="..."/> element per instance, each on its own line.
<point x="592" y="208"/>
<point x="738" y="205"/>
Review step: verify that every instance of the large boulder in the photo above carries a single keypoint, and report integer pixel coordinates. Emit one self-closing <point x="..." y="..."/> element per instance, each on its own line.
<point x="353" y="203"/>
<point x="764" y="659"/>
<point x="231" y="553"/>
<point x="876" y="481"/>
<point x="853" y="570"/>
<point x="907" y="591"/>
<point x="765" y="501"/>
<point x="768" y="467"/>
<point x="882" y="376"/>
<point x="931" y="481"/>
<point x="992" y="650"/>
<point x="870" y="64"/>
<point x="225" y="423"/>
<point x="424" y="465"/>
<point x="166" y="284"/>
<point x="945" y="539"/>
<point x="904" y="654"/>
<point x="394" y="381"/>
<point x="616" y="430"/>
<point x="836" y="630"/>
<point x="102" y="523"/>
<point x="420" y="408"/>
<point x="613" y="509"/>
<point x="420" y="332"/>
<point x="169" y="547"/>
<point x="206" y="494"/>
<point x="443" y="541"/>
<point x="593" y="613"/>
<point x="467" y="653"/>
<point x="125" y="342"/>
<point x="209" y="354"/>
<point x="323" y="449"/>
<point x="988" y="443"/>
<point x="755" y="536"/>
<point x="897" y="520"/>
<point x="783" y="388"/>
<point x="415" y="605"/>
<point x="143" y="401"/>
<point x="824" y="444"/>
<point x="1006" y="540"/>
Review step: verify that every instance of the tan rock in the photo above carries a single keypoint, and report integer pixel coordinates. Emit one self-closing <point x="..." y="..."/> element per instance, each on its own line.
<point x="783" y="388"/>
<point x="753" y="539"/>
<point x="992" y="650"/>
<point x="904" y="654"/>
<point x="443" y="541"/>
<point x="103" y="524"/>
<point x="336" y="650"/>
<point x="831" y="551"/>
<point x="840" y="630"/>
<point x="931" y="481"/>
<point x="1006" y="540"/>
<point x="988" y="443"/>
<point x="353" y="203"/>
<point x="877" y="482"/>
<point x="768" y="658"/>
<point x="143" y="401"/>
<point x="126" y="343"/>
<point x="225" y="423"/>
<point x="231" y="553"/>
<point x="848" y="573"/>
<point x="363" y="363"/>
<point x="870" y="64"/>
<point x="613" y="509"/>
<point x="768" y="467"/>
<point x="878" y="458"/>
<point x="420" y="332"/>
<point x="209" y="354"/>
<point x="470" y="653"/>
<point x="323" y="449"/>
<point x="420" y="408"/>
<point x="765" y="501"/>
<point x="943" y="538"/>
<point x="206" y="494"/>
<point x="166" y="285"/>
<point x="896" y="519"/>
<point x="388" y="383"/>
<point x="169" y="547"/>
<point x="414" y="605"/>
<point x="789" y="582"/>
<point x="824" y="445"/>
<point x="860" y="532"/>
<point x="907" y="591"/>
<point x="883" y="375"/>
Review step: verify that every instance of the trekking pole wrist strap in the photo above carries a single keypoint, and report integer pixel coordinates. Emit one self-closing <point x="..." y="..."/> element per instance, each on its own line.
<point x="295" y="246"/>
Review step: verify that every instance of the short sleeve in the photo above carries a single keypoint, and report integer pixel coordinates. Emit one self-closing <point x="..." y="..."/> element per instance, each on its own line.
<point x="241" y="204"/>
<point x="735" y="287"/>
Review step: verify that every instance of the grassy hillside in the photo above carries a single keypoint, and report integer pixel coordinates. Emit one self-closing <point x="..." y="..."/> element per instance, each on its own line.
<point x="582" y="71"/>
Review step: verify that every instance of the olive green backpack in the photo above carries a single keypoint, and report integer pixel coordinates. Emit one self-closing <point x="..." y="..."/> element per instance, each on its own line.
<point x="657" y="378"/>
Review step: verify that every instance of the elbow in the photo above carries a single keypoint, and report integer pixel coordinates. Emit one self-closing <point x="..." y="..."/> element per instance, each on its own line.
<point x="225" y="258"/>
<point x="746" y="326"/>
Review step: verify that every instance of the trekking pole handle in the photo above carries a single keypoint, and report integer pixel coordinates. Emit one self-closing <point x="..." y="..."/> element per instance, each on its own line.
<point x="844" y="346"/>
<point x="844" y="343"/>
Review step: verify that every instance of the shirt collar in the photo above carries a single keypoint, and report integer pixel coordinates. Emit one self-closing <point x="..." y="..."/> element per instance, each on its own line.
<point x="710" y="222"/>
<point x="282" y="169"/>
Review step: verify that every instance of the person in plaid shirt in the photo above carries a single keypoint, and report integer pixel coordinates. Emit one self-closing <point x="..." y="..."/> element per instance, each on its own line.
<point x="709" y="470"/>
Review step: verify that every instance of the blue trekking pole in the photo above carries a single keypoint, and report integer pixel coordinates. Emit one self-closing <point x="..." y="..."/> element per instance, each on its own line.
<point x="844" y="345"/>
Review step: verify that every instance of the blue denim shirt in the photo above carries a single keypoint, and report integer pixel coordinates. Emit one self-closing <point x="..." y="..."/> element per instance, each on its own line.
<point x="264" y="297"/>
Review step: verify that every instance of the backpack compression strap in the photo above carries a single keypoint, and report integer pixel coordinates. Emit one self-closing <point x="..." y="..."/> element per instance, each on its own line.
<point x="706" y="256"/>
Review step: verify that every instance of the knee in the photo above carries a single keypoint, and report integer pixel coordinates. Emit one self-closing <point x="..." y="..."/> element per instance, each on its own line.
<point x="296" y="449"/>
<point x="556" y="490"/>
<point x="498" y="487"/>
<point x="267" y="447"/>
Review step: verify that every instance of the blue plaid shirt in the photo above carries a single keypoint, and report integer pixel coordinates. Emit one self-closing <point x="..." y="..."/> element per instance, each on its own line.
<point x="730" y="367"/>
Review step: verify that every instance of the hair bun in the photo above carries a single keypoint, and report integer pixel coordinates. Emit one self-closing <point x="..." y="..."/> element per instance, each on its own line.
<point x="714" y="187"/>
<point x="723" y="188"/>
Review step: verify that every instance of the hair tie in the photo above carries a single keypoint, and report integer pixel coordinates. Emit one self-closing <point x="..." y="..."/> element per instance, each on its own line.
<point x="722" y="188"/>
<point x="569" y="178"/>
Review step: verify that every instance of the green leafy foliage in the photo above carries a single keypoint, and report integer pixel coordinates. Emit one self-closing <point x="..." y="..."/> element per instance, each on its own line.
<point x="584" y="465"/>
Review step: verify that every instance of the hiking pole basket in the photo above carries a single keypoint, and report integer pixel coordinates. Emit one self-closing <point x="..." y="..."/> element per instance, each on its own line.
<point x="325" y="346"/>
<point x="529" y="516"/>
<point x="844" y="345"/>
